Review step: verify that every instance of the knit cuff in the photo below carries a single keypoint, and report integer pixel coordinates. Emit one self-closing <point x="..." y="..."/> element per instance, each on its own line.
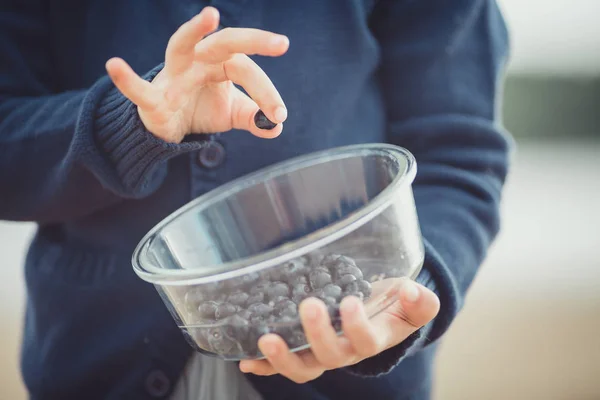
<point x="384" y="362"/>
<point x="122" y="153"/>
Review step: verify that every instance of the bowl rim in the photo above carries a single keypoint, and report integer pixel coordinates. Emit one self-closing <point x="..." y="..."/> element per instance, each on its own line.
<point x="289" y="250"/>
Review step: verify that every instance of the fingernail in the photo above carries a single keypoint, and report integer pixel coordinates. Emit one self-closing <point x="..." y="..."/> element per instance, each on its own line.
<point x="262" y="122"/>
<point x="411" y="292"/>
<point x="280" y="114"/>
<point x="311" y="313"/>
<point x="279" y="40"/>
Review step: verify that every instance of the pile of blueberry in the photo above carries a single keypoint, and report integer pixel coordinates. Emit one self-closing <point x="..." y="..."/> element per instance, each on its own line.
<point x="231" y="316"/>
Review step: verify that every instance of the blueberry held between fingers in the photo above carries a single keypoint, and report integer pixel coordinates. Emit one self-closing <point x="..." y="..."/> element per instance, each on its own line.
<point x="262" y="122"/>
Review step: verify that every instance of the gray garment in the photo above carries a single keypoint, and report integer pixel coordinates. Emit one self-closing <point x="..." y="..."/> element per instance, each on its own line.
<point x="208" y="378"/>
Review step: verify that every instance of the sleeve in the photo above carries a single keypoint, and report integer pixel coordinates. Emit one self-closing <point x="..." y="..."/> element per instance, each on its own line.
<point x="66" y="154"/>
<point x="441" y="75"/>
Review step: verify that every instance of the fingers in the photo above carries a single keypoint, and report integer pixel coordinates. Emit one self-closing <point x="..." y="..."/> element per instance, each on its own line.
<point x="180" y="50"/>
<point x="257" y="367"/>
<point x="242" y="117"/>
<point x="286" y="363"/>
<point x="241" y="70"/>
<point x="326" y="346"/>
<point x="224" y="44"/>
<point x="366" y="340"/>
<point x="418" y="305"/>
<point x="136" y="89"/>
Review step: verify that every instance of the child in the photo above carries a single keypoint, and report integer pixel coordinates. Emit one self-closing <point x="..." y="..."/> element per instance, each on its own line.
<point x="96" y="160"/>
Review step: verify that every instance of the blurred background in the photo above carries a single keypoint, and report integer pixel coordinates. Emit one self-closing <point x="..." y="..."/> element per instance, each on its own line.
<point x="530" y="328"/>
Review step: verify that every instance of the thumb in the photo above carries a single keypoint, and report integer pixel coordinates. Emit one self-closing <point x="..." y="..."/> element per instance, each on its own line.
<point x="244" y="111"/>
<point x="417" y="304"/>
<point x="415" y="307"/>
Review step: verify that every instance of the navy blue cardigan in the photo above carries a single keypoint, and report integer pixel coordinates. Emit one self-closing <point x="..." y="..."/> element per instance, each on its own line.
<point x="75" y="158"/>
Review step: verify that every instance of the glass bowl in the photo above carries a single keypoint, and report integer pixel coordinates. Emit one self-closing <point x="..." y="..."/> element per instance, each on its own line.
<point x="235" y="263"/>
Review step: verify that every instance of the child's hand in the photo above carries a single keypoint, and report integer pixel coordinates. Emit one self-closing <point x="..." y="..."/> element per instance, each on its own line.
<point x="363" y="337"/>
<point x="195" y="91"/>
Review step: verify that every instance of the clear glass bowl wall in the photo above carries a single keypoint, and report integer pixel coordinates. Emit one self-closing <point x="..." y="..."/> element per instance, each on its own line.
<point x="235" y="263"/>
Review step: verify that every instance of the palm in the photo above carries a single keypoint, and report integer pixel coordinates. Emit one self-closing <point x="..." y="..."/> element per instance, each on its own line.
<point x="207" y="109"/>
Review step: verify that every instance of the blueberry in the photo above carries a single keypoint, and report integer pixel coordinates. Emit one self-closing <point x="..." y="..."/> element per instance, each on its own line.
<point x="238" y="298"/>
<point x="260" y="310"/>
<point x="345" y="280"/>
<point x="286" y="309"/>
<point x="351" y="288"/>
<point x="332" y="290"/>
<point x="220" y="343"/>
<point x="192" y="299"/>
<point x="337" y="324"/>
<point x="277" y="299"/>
<point x="250" y="277"/>
<point x="212" y="289"/>
<point x="239" y="327"/>
<point x="319" y="294"/>
<point x="259" y="288"/>
<point x="294" y="268"/>
<point x="298" y="279"/>
<point x="255" y="332"/>
<point x="365" y="288"/>
<point x="200" y="335"/>
<point x="244" y="280"/>
<point x="314" y="259"/>
<point x="320" y="268"/>
<point x="207" y="309"/>
<point x="258" y="297"/>
<point x="296" y="338"/>
<point x="349" y="270"/>
<point x="278" y="289"/>
<point x="245" y="314"/>
<point x="225" y="310"/>
<point x="276" y="274"/>
<point x="319" y="279"/>
<point x="328" y="260"/>
<point x="262" y="122"/>
<point x="300" y="292"/>
<point x="330" y="302"/>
